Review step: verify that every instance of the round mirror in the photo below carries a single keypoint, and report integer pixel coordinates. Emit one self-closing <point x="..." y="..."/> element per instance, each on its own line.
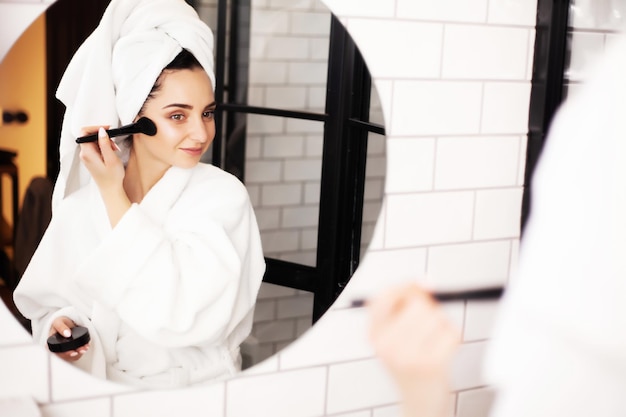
<point x="298" y="122"/>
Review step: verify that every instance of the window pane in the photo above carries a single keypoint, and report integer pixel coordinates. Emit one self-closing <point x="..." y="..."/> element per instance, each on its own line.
<point x="282" y="174"/>
<point x="289" y="54"/>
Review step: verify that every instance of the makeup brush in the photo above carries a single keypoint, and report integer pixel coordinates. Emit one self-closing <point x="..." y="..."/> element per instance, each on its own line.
<point x="492" y="293"/>
<point x="143" y="125"/>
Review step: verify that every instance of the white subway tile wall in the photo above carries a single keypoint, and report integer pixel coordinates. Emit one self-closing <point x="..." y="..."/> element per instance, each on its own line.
<point x="593" y="25"/>
<point x="453" y="79"/>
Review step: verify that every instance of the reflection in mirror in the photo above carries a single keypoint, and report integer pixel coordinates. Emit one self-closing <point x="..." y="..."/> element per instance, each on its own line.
<point x="283" y="157"/>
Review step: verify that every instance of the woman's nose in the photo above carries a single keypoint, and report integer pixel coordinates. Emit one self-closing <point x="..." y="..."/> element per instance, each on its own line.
<point x="201" y="130"/>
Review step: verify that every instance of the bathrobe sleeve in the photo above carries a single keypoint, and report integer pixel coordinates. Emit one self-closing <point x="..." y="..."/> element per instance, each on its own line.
<point x="559" y="345"/>
<point x="182" y="275"/>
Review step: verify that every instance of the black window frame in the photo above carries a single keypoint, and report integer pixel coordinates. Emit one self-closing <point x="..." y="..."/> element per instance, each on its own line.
<point x="344" y="154"/>
<point x="546" y="95"/>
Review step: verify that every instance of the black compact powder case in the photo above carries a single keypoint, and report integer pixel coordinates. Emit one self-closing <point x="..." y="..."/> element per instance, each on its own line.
<point x="57" y="343"/>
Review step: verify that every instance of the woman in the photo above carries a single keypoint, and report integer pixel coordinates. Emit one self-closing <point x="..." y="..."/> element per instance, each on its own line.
<point x="157" y="254"/>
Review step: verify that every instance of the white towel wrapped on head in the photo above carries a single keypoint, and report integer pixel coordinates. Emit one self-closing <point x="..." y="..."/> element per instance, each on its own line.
<point x="113" y="71"/>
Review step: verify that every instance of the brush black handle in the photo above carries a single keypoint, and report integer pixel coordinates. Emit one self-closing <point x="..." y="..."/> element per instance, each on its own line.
<point x="492" y="293"/>
<point x="143" y="125"/>
<point x="124" y="130"/>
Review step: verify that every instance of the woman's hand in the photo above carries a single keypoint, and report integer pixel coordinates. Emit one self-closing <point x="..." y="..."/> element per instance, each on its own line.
<point x="63" y="325"/>
<point x="415" y="341"/>
<point x="108" y="172"/>
<point x="100" y="158"/>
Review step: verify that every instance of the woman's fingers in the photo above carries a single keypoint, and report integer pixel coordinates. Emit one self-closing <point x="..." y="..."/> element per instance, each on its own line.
<point x="62" y="325"/>
<point x="410" y="332"/>
<point x="107" y="147"/>
<point x="73" y="355"/>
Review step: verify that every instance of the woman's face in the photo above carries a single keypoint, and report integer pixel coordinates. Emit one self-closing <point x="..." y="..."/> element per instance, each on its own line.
<point x="182" y="109"/>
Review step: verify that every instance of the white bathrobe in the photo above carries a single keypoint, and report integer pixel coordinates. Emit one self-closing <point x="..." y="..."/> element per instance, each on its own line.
<point x="167" y="294"/>
<point x="559" y="347"/>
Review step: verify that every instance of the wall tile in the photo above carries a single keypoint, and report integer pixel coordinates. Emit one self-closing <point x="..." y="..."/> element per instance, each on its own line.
<point x="283" y="146"/>
<point x="476" y="162"/>
<point x="505" y="108"/>
<point x="100" y="407"/>
<point x="407" y="265"/>
<point x="475" y="403"/>
<point x="265" y="394"/>
<point x="263" y="171"/>
<point x="263" y="124"/>
<point x="265" y="366"/>
<point x="498" y="213"/>
<point x="468" y="365"/>
<point x="268" y="72"/>
<point x="591" y="14"/>
<point x="421" y="43"/>
<point x="522" y="160"/>
<point x="277" y="47"/>
<point x="482" y="52"/>
<point x="274" y="291"/>
<point x="316" y="98"/>
<point x="190" y="402"/>
<point x="445" y="10"/>
<point x="278" y="195"/>
<point x="413" y="167"/>
<point x="286" y="97"/>
<point x="514" y="12"/>
<point x="515" y="247"/>
<point x="309" y="23"/>
<point x="279" y="241"/>
<point x="24" y="371"/>
<point x="339" y="335"/>
<point x="300" y="306"/>
<point x="254" y="191"/>
<point x="264" y="310"/>
<point x="370" y="8"/>
<point x="269" y="22"/>
<point x="275" y="331"/>
<point x="376" y="167"/>
<point x="253" y="145"/>
<point x="303" y="169"/>
<point x="423" y="219"/>
<point x="308" y="239"/>
<point x="469" y="265"/>
<point x="307" y="73"/>
<point x="479" y="319"/>
<point x="395" y="411"/>
<point x="357" y="385"/>
<point x="435" y="108"/>
<point x="314" y="146"/>
<point x="532" y="34"/>
<point x="256" y="97"/>
<point x="267" y="218"/>
<point x="588" y="47"/>
<point x="318" y="49"/>
<point x="354" y="414"/>
<point x="70" y="383"/>
<point x="300" y="216"/>
<point x="303" y="126"/>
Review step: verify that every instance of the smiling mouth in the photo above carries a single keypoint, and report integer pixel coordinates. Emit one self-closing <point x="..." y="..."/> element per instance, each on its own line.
<point x="192" y="150"/>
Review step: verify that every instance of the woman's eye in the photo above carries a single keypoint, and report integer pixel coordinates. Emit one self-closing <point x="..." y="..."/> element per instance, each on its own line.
<point x="177" y="117"/>
<point x="208" y="114"/>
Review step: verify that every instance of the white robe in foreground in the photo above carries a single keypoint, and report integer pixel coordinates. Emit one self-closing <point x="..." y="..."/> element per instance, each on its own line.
<point x="168" y="294"/>
<point x="559" y="347"/>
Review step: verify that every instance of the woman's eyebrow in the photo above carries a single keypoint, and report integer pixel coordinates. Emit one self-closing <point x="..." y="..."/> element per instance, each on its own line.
<point x="180" y="105"/>
<point x="188" y="106"/>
